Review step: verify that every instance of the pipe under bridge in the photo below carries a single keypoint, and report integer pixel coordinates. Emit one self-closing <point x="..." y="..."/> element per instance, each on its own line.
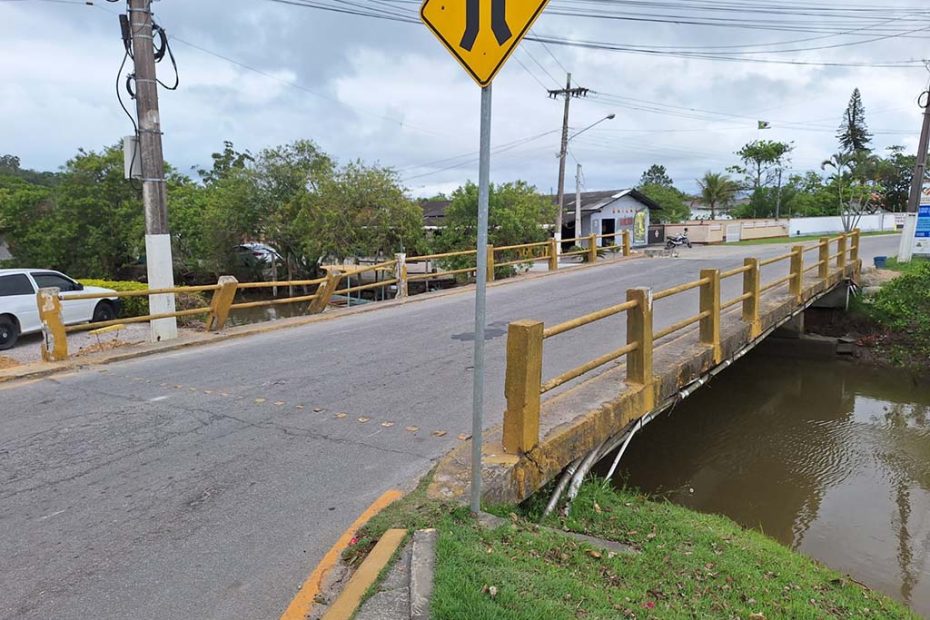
<point x="553" y="422"/>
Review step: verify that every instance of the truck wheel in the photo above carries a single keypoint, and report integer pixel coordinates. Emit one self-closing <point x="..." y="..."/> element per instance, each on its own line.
<point x="9" y="333"/>
<point x="104" y="312"/>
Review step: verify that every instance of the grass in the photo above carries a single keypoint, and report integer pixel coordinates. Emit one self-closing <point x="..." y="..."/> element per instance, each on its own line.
<point x="911" y="267"/>
<point x="805" y="238"/>
<point x="690" y="565"/>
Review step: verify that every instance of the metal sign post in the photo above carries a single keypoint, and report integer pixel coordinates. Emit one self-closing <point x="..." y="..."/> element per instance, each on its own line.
<point x="481" y="285"/>
<point x="481" y="35"/>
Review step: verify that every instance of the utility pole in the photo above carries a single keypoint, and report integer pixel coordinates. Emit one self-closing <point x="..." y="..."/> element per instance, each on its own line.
<point x="154" y="196"/>
<point x="568" y="92"/>
<point x="906" y="246"/>
<point x="578" y="204"/>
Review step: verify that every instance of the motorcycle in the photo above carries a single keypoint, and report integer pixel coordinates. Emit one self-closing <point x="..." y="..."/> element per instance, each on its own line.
<point x="676" y="241"/>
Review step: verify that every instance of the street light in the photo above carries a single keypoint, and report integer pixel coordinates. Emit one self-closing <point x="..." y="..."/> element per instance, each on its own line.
<point x="558" y="219"/>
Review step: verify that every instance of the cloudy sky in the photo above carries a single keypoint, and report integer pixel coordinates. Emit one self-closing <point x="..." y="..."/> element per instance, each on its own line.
<point x="689" y="82"/>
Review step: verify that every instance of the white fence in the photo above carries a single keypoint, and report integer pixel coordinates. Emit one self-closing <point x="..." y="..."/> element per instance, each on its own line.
<point x="823" y="225"/>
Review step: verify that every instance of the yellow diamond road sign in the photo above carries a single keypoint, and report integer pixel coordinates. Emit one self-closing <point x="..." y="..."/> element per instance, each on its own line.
<point x="481" y="34"/>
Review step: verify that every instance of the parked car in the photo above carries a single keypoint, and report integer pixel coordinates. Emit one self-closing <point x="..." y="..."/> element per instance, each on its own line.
<point x="258" y="258"/>
<point x="19" y="312"/>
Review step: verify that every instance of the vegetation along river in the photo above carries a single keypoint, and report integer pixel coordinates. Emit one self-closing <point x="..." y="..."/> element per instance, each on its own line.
<point x="831" y="458"/>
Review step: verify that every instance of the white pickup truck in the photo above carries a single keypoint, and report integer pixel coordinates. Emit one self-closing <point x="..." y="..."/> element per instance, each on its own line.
<point x="19" y="312"/>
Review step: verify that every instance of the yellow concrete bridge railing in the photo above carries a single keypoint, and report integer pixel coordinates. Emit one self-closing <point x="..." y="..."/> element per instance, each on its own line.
<point x="540" y="437"/>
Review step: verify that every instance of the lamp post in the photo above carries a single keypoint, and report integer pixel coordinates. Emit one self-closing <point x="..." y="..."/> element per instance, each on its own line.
<point x="558" y="220"/>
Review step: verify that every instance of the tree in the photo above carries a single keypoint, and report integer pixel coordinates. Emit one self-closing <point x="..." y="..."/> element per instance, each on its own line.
<point x="656" y="175"/>
<point x="764" y="163"/>
<point x="856" y="194"/>
<point x="517" y="214"/>
<point x="717" y="191"/>
<point x="673" y="202"/>
<point x="853" y="133"/>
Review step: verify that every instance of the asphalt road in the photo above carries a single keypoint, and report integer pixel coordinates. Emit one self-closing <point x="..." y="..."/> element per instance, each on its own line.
<point x="207" y="483"/>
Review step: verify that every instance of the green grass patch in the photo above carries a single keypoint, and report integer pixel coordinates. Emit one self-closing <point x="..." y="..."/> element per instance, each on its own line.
<point x="806" y="238"/>
<point x="911" y="267"/>
<point x="689" y="565"/>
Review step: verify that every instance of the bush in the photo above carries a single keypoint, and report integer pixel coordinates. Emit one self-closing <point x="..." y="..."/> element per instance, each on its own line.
<point x="139" y="306"/>
<point x="903" y="305"/>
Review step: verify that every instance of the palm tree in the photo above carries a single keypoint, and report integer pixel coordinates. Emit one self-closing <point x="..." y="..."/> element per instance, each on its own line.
<point x="717" y="189"/>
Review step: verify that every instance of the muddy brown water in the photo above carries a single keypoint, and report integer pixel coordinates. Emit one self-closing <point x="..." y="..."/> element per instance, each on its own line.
<point x="830" y="458"/>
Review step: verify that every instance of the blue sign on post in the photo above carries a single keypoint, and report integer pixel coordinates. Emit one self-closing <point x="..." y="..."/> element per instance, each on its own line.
<point x="922" y="231"/>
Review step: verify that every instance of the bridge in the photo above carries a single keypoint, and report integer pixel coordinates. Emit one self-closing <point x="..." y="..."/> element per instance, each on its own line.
<point x="208" y="482"/>
<point x="598" y="404"/>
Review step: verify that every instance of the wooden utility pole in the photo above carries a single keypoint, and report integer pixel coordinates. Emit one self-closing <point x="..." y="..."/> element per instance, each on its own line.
<point x="154" y="196"/>
<point x="568" y="92"/>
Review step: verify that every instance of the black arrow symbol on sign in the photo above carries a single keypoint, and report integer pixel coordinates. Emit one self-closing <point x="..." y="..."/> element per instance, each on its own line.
<point x="473" y="22"/>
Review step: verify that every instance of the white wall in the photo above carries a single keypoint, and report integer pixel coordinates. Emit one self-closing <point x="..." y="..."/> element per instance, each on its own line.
<point x="818" y="225"/>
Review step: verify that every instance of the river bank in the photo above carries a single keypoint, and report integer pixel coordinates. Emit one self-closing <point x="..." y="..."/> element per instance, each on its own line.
<point x="682" y="564"/>
<point x="889" y="322"/>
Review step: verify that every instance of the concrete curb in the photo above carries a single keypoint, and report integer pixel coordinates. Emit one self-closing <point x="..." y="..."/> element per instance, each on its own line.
<point x="422" y="568"/>
<point x="45" y="369"/>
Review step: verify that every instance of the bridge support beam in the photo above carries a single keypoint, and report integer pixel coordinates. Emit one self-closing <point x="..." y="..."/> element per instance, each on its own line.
<point x="797" y="273"/>
<point x="592" y="248"/>
<point x="400" y="274"/>
<point x="553" y="254"/>
<point x="824" y="272"/>
<point x="221" y="302"/>
<point x="626" y="243"/>
<point x="522" y="385"/>
<point x="710" y="307"/>
<point x="490" y="263"/>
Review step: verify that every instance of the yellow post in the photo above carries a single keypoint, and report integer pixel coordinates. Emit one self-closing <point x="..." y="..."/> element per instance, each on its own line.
<point x="490" y="263"/>
<point x="55" y="339"/>
<point x="400" y="274"/>
<point x="522" y="384"/>
<point x="592" y="248"/>
<point x="626" y="243"/>
<point x="639" y="331"/>
<point x="553" y="255"/>
<point x="752" y="285"/>
<point x="797" y="273"/>
<point x="710" y="303"/>
<point x="841" y="255"/>
<point x="222" y="300"/>
<point x="324" y="293"/>
<point x="824" y="272"/>
<point x="854" y="252"/>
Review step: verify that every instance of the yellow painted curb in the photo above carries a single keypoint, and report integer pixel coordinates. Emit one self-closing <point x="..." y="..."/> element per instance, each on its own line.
<point x="302" y="603"/>
<point x="351" y="596"/>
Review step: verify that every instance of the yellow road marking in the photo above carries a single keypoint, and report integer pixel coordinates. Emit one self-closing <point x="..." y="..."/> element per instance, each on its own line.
<point x="302" y="603"/>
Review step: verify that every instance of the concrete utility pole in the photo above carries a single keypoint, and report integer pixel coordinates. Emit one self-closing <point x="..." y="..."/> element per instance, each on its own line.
<point x="154" y="196"/>
<point x="568" y="92"/>
<point x="578" y="203"/>
<point x="906" y="246"/>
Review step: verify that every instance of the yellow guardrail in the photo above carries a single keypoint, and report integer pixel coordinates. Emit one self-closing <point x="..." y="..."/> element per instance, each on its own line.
<point x="524" y="386"/>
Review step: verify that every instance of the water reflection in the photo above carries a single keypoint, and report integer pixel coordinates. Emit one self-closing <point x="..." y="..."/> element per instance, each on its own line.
<point x="832" y="459"/>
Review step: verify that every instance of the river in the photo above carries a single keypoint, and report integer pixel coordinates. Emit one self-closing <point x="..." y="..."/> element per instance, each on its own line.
<point x="830" y="458"/>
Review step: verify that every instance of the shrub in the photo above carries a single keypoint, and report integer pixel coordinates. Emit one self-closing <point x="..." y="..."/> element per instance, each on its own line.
<point x="139" y="306"/>
<point x="903" y="305"/>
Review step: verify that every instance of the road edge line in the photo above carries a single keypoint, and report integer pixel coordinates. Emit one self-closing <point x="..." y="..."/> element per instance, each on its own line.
<point x="302" y="603"/>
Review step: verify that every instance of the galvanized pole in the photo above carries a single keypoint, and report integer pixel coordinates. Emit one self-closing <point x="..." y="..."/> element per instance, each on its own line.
<point x="484" y="174"/>
<point x="906" y="245"/>
<point x="578" y="205"/>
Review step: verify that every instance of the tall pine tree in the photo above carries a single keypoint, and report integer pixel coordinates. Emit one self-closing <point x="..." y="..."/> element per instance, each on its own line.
<point x="854" y="134"/>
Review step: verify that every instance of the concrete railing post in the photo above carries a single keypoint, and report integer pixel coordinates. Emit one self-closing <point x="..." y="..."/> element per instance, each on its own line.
<point x="824" y="272"/>
<point x="592" y="248"/>
<point x="752" y="288"/>
<point x="710" y="303"/>
<point x="490" y="269"/>
<point x="324" y="293"/>
<point x="54" y="337"/>
<point x="854" y="252"/>
<point x="626" y="243"/>
<point x="222" y="299"/>
<point x="797" y="273"/>
<point x="522" y="385"/>
<point x="400" y="274"/>
<point x="841" y="255"/>
<point x="639" y="332"/>
<point x="553" y="254"/>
